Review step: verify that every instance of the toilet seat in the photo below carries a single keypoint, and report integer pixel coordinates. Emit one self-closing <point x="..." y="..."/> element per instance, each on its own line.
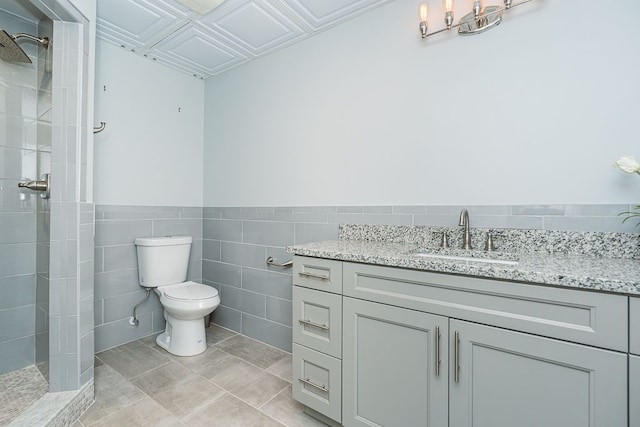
<point x="189" y="291"/>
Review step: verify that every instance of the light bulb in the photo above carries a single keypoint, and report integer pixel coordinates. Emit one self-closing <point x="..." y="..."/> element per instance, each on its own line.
<point x="424" y="11"/>
<point x="448" y="16"/>
<point x="477" y="7"/>
<point x="424" y="14"/>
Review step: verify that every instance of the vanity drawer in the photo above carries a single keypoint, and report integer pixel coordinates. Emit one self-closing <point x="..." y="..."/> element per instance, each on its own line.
<point x="317" y="320"/>
<point x="634" y="325"/>
<point x="584" y="317"/>
<point x="317" y="381"/>
<point x="317" y="273"/>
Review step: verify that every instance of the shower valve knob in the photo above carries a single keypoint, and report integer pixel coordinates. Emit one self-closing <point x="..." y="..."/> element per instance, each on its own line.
<point x="34" y="185"/>
<point x="42" y="186"/>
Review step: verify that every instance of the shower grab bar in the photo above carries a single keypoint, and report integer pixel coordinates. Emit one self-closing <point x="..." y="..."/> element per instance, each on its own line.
<point x="271" y="261"/>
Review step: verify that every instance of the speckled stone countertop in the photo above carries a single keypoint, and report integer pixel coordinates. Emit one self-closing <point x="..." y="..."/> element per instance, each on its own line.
<point x="572" y="267"/>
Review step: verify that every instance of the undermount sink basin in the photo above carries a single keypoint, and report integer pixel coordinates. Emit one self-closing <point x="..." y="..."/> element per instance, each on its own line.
<point x="502" y="258"/>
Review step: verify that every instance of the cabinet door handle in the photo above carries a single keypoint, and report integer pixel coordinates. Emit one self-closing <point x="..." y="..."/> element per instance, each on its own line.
<point x="313" y="275"/>
<point x="314" y="324"/>
<point x="312" y="384"/>
<point x="456" y="355"/>
<point x="437" y="350"/>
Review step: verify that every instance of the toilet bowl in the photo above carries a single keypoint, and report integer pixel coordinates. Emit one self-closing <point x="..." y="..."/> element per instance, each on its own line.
<point x="162" y="265"/>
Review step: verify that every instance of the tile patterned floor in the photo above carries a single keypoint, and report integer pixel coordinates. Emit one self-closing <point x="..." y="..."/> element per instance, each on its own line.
<point x="237" y="382"/>
<point x="19" y="390"/>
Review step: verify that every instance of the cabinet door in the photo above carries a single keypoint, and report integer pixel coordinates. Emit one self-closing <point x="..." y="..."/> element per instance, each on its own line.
<point x="634" y="391"/>
<point x="508" y="378"/>
<point x="634" y="325"/>
<point x="390" y="372"/>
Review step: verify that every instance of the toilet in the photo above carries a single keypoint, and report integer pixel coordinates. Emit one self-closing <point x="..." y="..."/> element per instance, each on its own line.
<point x="162" y="265"/>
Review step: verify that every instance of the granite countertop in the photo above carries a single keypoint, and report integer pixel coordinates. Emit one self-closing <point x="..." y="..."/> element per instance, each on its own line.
<point x="601" y="273"/>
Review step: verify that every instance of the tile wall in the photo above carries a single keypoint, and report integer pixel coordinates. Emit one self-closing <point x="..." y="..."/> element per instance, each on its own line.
<point x="44" y="112"/>
<point x="72" y="218"/>
<point x="116" y="272"/>
<point x="231" y="246"/>
<point x="25" y="147"/>
<point x="256" y="298"/>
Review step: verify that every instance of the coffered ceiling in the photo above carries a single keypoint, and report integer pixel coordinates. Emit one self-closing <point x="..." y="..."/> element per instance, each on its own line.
<point x="235" y="32"/>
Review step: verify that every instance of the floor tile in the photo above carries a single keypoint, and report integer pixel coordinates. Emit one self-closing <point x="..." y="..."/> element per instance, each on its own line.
<point x="177" y="388"/>
<point x="228" y="411"/>
<point x="261" y="390"/>
<point x="289" y="412"/>
<point x="215" y="334"/>
<point x="237" y="381"/>
<point x="200" y="362"/>
<point x="19" y="390"/>
<point x="144" y="413"/>
<point x="282" y="368"/>
<point x="112" y="393"/>
<point x="150" y="340"/>
<point x="251" y="351"/>
<point x="232" y="373"/>
<point x="133" y="359"/>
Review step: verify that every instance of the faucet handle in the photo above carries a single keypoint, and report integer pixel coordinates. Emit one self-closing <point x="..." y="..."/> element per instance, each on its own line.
<point x="489" y="246"/>
<point x="444" y="243"/>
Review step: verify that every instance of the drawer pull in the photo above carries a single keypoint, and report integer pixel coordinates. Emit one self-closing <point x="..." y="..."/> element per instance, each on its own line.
<point x="312" y="384"/>
<point x="438" y="360"/>
<point x="456" y="354"/>
<point x="313" y="275"/>
<point x="314" y="324"/>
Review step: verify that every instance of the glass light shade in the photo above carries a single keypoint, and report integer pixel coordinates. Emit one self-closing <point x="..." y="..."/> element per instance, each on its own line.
<point x="447" y="5"/>
<point x="424" y="11"/>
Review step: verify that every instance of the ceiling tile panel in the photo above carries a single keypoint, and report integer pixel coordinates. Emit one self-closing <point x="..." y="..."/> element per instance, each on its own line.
<point x="233" y="33"/>
<point x="200" y="50"/>
<point x="324" y="13"/>
<point x="138" y="22"/>
<point x="253" y="24"/>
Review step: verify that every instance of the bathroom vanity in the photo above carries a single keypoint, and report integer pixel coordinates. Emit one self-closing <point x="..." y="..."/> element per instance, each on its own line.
<point x="382" y="337"/>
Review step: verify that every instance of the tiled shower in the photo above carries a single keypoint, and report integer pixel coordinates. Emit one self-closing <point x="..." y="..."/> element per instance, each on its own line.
<point x="25" y="147"/>
<point x="46" y="245"/>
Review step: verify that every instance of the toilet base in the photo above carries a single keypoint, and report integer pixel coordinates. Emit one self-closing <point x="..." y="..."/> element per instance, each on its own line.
<point x="183" y="337"/>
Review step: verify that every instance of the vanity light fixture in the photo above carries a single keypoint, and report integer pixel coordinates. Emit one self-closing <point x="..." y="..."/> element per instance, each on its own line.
<point x="478" y="20"/>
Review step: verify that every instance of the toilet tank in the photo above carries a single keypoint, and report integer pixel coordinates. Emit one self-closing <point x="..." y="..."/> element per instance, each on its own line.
<point x="163" y="260"/>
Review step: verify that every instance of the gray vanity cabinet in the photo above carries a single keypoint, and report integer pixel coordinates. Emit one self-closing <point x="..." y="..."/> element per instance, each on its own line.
<point x="395" y="369"/>
<point x="508" y="378"/>
<point x="429" y="349"/>
<point x="634" y="361"/>
<point x="634" y="390"/>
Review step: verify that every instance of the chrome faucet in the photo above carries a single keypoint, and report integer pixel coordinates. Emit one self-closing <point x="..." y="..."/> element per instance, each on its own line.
<point x="464" y="222"/>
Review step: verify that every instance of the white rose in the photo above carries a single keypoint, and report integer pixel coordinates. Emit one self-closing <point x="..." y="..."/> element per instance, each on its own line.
<point x="628" y="164"/>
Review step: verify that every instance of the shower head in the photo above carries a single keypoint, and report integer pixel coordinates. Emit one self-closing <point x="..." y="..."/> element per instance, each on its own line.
<point x="11" y="51"/>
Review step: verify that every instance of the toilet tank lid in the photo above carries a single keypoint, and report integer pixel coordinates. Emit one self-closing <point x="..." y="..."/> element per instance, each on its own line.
<point x="163" y="241"/>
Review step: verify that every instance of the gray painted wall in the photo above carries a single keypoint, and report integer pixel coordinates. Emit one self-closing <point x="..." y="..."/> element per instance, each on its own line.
<point x="231" y="245"/>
